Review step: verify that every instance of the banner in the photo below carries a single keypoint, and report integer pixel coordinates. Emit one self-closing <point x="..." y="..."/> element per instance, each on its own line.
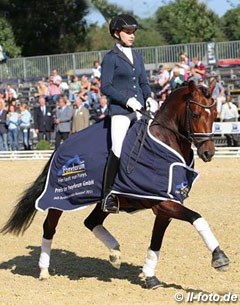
<point x="226" y="127"/>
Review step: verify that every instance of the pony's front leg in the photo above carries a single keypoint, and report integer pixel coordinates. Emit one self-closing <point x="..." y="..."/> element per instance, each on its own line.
<point x="94" y="222"/>
<point x="175" y="210"/>
<point x="150" y="263"/>
<point x="49" y="229"/>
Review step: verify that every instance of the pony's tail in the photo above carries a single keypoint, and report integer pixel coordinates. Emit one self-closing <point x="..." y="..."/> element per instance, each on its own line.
<point x="24" y="212"/>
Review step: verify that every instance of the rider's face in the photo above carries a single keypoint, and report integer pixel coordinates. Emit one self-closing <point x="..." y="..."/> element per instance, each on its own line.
<point x="127" y="37"/>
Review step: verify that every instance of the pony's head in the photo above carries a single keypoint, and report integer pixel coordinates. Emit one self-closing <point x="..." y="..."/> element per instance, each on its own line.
<point x="200" y="114"/>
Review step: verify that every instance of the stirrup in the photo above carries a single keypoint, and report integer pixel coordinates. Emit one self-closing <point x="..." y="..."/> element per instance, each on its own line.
<point x="110" y="204"/>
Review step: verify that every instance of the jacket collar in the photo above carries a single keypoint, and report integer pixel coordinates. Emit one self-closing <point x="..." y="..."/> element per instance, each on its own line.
<point x="122" y="55"/>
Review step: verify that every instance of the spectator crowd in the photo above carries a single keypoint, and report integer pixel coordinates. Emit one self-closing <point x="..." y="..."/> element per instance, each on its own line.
<point x="62" y="108"/>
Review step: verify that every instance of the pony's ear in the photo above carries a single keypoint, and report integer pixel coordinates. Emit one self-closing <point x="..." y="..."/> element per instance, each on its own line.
<point x="192" y="86"/>
<point x="212" y="85"/>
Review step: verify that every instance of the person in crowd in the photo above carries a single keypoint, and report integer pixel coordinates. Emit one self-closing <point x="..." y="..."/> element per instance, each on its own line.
<point x="63" y="121"/>
<point x="218" y="94"/>
<point x="25" y="119"/>
<point x="177" y="79"/>
<point x="184" y="66"/>
<point x="10" y="99"/>
<point x="12" y="91"/>
<point x="101" y="111"/>
<point x="96" y="71"/>
<point x="80" y="118"/>
<point x="43" y="120"/>
<point x="229" y="113"/>
<point x="74" y="88"/>
<point x="42" y="89"/>
<point x="162" y="79"/>
<point x="3" y="126"/>
<point x="54" y="85"/>
<point x="124" y="82"/>
<point x="13" y="124"/>
<point x="197" y="70"/>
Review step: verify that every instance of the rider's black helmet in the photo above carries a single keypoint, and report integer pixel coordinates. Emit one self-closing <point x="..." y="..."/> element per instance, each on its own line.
<point x="122" y="21"/>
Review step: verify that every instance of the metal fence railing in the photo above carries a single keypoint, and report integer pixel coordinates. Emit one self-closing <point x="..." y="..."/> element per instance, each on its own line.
<point x="78" y="63"/>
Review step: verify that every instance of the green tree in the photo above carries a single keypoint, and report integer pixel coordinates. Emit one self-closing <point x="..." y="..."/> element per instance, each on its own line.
<point x="231" y="24"/>
<point x="106" y="9"/>
<point x="46" y="27"/>
<point x="7" y="39"/>
<point x="184" y="21"/>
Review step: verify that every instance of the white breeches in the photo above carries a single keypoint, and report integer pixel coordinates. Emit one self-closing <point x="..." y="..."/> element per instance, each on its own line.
<point x="119" y="128"/>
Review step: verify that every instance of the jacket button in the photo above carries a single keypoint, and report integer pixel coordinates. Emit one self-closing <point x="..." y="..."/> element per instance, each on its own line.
<point x="135" y="95"/>
<point x="134" y="86"/>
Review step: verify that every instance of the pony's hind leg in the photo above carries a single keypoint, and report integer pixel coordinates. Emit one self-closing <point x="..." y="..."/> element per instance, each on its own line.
<point x="174" y="210"/>
<point x="94" y="222"/>
<point x="49" y="229"/>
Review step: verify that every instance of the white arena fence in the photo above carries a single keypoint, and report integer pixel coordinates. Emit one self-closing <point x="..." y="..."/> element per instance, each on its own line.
<point x="219" y="130"/>
<point x="220" y="152"/>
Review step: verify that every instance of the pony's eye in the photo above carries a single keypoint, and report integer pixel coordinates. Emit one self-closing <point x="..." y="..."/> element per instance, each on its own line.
<point x="196" y="116"/>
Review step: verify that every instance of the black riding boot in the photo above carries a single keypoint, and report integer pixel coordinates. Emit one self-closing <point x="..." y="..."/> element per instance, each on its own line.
<point x="110" y="202"/>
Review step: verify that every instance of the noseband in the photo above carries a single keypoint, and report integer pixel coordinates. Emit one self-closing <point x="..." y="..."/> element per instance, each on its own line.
<point x="196" y="137"/>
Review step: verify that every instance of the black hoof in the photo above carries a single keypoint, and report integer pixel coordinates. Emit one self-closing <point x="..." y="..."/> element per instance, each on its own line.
<point x="219" y="260"/>
<point x="152" y="282"/>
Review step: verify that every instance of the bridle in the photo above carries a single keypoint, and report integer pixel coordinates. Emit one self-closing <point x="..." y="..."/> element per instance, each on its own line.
<point x="192" y="137"/>
<point x="197" y="137"/>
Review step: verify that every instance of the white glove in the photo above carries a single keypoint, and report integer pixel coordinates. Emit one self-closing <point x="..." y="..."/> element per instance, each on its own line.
<point x="152" y="105"/>
<point x="134" y="104"/>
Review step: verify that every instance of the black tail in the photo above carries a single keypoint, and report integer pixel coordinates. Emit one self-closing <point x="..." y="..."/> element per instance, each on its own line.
<point x="24" y="212"/>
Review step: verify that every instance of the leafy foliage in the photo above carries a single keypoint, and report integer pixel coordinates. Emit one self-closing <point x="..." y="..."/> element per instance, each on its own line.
<point x="7" y="39"/>
<point x="46" y="27"/>
<point x="231" y="24"/>
<point x="184" y="21"/>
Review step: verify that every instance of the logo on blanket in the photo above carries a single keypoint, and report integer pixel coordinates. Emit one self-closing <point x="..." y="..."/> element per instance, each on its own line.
<point x="72" y="166"/>
<point x="183" y="188"/>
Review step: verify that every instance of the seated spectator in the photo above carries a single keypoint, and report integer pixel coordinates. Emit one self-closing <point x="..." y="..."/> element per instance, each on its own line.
<point x="162" y="78"/>
<point x="177" y="79"/>
<point x="80" y="118"/>
<point x="86" y="88"/>
<point x="198" y="70"/>
<point x="42" y="89"/>
<point x="43" y="120"/>
<point x="229" y="113"/>
<point x="184" y="65"/>
<point x="218" y="94"/>
<point x="25" y="119"/>
<point x="102" y="111"/>
<point x="74" y="88"/>
<point x="63" y="121"/>
<point x="96" y="71"/>
<point x="54" y="86"/>
<point x="95" y="91"/>
<point x="3" y="126"/>
<point x="13" y="123"/>
<point x="10" y="99"/>
<point x="12" y="91"/>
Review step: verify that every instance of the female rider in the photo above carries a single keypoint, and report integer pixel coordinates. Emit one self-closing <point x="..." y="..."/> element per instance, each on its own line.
<point x="124" y="82"/>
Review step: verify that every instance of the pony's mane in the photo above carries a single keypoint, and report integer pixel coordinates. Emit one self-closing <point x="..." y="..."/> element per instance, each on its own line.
<point x="173" y="94"/>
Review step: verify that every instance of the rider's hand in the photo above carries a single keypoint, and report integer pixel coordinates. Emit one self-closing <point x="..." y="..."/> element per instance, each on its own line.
<point x="134" y="104"/>
<point x="152" y="105"/>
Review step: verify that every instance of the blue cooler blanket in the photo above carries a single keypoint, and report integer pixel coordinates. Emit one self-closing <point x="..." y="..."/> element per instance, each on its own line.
<point x="159" y="173"/>
<point x="148" y="169"/>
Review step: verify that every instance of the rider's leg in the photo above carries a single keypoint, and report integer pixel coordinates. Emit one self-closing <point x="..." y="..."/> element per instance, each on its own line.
<point x="119" y="128"/>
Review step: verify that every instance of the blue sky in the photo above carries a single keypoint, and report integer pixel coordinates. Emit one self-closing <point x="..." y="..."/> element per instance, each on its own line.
<point x="146" y="8"/>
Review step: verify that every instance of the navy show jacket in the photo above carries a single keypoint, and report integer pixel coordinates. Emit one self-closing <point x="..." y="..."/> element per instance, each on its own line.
<point x="121" y="80"/>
